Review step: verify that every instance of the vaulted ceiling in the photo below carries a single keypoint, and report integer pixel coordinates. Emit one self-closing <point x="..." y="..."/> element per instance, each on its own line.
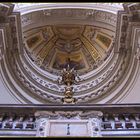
<point x="84" y="47"/>
<point x="39" y="40"/>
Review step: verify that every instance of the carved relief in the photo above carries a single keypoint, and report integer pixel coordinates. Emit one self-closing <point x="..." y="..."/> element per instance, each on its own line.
<point x="67" y="122"/>
<point x="77" y="88"/>
<point x="41" y="127"/>
<point x="106" y="17"/>
<point x="26" y="19"/>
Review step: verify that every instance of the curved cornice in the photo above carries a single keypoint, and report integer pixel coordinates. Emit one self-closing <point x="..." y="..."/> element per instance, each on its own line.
<point x="28" y="7"/>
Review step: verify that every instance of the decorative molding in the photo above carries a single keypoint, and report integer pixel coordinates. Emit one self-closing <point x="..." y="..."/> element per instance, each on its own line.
<point x="45" y="119"/>
<point x="106" y="82"/>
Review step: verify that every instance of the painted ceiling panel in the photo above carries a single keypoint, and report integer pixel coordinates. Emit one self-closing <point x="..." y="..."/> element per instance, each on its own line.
<point x="68" y="44"/>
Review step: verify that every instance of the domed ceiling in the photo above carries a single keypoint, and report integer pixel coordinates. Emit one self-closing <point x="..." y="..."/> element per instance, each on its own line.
<point x="83" y="47"/>
<point x="90" y="39"/>
<point x="55" y="38"/>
